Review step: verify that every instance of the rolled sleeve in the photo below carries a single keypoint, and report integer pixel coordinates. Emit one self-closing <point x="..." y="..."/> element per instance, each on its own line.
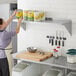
<point x="11" y="34"/>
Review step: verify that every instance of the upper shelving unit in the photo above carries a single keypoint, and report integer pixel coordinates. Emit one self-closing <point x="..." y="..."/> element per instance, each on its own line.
<point x="66" y="23"/>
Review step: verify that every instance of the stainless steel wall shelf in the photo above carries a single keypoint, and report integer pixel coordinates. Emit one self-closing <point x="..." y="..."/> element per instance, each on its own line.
<point x="66" y="23"/>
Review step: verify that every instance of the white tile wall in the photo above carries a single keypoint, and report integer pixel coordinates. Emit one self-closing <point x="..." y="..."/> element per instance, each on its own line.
<point x="65" y="9"/>
<point x="54" y="8"/>
<point x="7" y="1"/>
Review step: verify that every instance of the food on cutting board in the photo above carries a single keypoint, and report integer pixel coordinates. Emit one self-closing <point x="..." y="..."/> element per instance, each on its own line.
<point x="37" y="56"/>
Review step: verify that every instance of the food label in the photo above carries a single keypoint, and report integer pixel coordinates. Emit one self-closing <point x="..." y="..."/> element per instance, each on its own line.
<point x="19" y="13"/>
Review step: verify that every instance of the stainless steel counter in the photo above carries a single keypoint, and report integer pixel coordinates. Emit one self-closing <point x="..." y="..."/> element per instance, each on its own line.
<point x="60" y="62"/>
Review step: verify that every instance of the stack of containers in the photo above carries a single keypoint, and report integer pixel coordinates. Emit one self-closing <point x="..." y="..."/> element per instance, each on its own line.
<point x="19" y="69"/>
<point x="71" y="56"/>
<point x="31" y="15"/>
<point x="25" y="69"/>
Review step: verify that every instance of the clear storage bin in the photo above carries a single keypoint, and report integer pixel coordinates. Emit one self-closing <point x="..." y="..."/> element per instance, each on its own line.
<point x="24" y="69"/>
<point x="19" y="69"/>
<point x="72" y="74"/>
<point x="53" y="72"/>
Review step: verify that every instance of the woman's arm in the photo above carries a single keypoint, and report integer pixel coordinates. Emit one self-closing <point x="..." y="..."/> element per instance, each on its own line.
<point x="10" y="18"/>
<point x="18" y="25"/>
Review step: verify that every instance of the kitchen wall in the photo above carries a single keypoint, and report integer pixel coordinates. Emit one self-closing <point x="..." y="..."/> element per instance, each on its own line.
<point x="7" y="1"/>
<point x="4" y="13"/>
<point x="35" y="33"/>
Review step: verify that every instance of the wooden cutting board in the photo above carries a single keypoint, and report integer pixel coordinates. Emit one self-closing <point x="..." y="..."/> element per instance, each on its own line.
<point x="34" y="56"/>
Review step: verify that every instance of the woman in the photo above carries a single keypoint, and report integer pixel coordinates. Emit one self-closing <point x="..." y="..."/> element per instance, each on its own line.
<point x="5" y="39"/>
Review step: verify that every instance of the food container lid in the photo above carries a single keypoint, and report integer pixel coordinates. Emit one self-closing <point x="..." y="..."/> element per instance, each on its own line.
<point x="20" y="66"/>
<point x="72" y="50"/>
<point x="71" y="53"/>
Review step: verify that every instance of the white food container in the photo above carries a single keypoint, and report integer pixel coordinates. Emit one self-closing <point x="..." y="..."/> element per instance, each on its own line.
<point x="71" y="58"/>
<point x="53" y="72"/>
<point x="24" y="69"/>
<point x="19" y="69"/>
<point x="39" y="16"/>
<point x="72" y="74"/>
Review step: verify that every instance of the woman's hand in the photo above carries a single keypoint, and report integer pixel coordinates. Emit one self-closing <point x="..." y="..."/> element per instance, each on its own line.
<point x="18" y="25"/>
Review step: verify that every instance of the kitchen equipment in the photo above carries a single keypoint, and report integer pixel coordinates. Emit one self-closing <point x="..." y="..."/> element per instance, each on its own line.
<point x="56" y="40"/>
<point x="48" y="19"/>
<point x="32" y="49"/>
<point x="20" y="69"/>
<point x="52" y="41"/>
<point x="64" y="38"/>
<point x="47" y="36"/>
<point x="57" y="52"/>
<point x="34" y="56"/>
<point x="20" y="66"/>
<point x="25" y="69"/>
<point x="53" y="72"/>
<point x="72" y="74"/>
<point x="49" y="41"/>
<point x="60" y="38"/>
<point x="71" y="56"/>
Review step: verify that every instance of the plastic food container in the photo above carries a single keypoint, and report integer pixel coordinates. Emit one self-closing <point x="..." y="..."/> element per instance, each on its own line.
<point x="39" y="16"/>
<point x="19" y="13"/>
<point x="72" y="74"/>
<point x="25" y="69"/>
<point x="30" y="15"/>
<point x="19" y="69"/>
<point x="71" y="58"/>
<point x="25" y="14"/>
<point x="53" y="72"/>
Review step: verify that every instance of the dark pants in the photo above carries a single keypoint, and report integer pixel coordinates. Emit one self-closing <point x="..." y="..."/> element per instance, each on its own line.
<point x="4" y="68"/>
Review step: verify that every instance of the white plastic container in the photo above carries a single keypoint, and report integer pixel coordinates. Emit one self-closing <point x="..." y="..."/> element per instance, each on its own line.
<point x="72" y="74"/>
<point x="71" y="58"/>
<point x="39" y="16"/>
<point x="53" y="72"/>
<point x="24" y="69"/>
